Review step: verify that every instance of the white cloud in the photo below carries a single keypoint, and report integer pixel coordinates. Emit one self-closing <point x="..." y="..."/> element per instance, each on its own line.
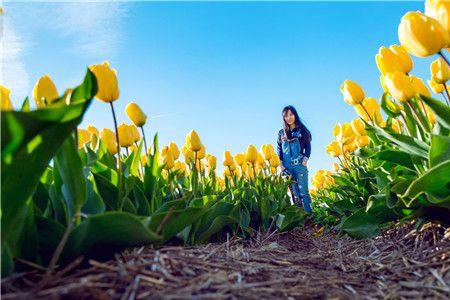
<point x="13" y="72"/>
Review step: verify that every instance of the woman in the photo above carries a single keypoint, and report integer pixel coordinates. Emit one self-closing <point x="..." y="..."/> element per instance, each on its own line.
<point x="294" y="149"/>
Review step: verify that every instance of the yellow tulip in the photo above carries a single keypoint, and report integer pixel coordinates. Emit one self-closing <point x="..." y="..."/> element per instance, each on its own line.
<point x="143" y="159"/>
<point x="267" y="151"/>
<point x="108" y="86"/>
<point x="135" y="133"/>
<point x="383" y="84"/>
<point x="400" y="86"/>
<point x="392" y="59"/>
<point x="201" y="153"/>
<point x="189" y="156"/>
<point x="168" y="161"/>
<point x="346" y="134"/>
<point x="239" y="159"/>
<point x="396" y="126"/>
<point x="260" y="160"/>
<point x="174" y="149"/>
<point x="180" y="167"/>
<point x="419" y="86"/>
<point x="439" y="10"/>
<point x="94" y="136"/>
<point x="125" y="135"/>
<point x="352" y="92"/>
<point x="362" y="141"/>
<point x="227" y="158"/>
<point x="273" y="170"/>
<point x="274" y="161"/>
<point x="195" y="143"/>
<point x="136" y="115"/>
<point x="44" y="91"/>
<point x="437" y="88"/>
<point x="369" y="110"/>
<point x="5" y="102"/>
<point x="350" y="147"/>
<point x="358" y="127"/>
<point x="108" y="137"/>
<point x="335" y="167"/>
<point x="212" y="161"/>
<point x="422" y="35"/>
<point x="334" y="149"/>
<point x="84" y="136"/>
<point x="429" y="113"/>
<point x="251" y="155"/>
<point x="440" y="71"/>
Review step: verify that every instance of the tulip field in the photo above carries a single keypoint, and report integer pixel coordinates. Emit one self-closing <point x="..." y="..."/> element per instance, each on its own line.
<point x="69" y="191"/>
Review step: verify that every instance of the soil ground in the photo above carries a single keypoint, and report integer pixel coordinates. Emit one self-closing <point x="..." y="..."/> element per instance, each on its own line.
<point x="402" y="263"/>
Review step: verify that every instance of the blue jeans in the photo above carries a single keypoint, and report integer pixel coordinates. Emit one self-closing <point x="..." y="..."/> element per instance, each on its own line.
<point x="299" y="186"/>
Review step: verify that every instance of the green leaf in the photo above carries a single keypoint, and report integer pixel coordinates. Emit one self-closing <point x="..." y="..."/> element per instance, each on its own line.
<point x="441" y="111"/>
<point x="100" y="236"/>
<point x="361" y="225"/>
<point x="440" y="149"/>
<point x="70" y="169"/>
<point x="396" y="157"/>
<point x="50" y="234"/>
<point x="7" y="261"/>
<point x="435" y="183"/>
<point x="389" y="107"/>
<point x="107" y="191"/>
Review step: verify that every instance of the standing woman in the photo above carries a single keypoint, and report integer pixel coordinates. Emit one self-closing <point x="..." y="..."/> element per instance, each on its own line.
<point x="294" y="149"/>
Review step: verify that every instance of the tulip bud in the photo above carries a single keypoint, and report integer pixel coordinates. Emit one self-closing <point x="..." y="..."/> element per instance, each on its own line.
<point x="108" y="86"/>
<point x="440" y="71"/>
<point x="383" y="84"/>
<point x="135" y="133"/>
<point x="439" y="10"/>
<point x="251" y="155"/>
<point x="400" y="86"/>
<point x="362" y="141"/>
<point x="239" y="159"/>
<point x="84" y="136"/>
<point x="125" y="135"/>
<point x="396" y="126"/>
<point x="335" y="167"/>
<point x="227" y="158"/>
<point x="44" y="91"/>
<point x="267" y="151"/>
<point x="346" y="134"/>
<point x="174" y="149"/>
<point x="5" y="102"/>
<point x="143" y="160"/>
<point x="195" y="143"/>
<point x="334" y="149"/>
<point x="358" y="127"/>
<point x="437" y="88"/>
<point x="421" y="35"/>
<point x="109" y="139"/>
<point x="352" y="92"/>
<point x="167" y="158"/>
<point x="180" y="168"/>
<point x="136" y="115"/>
<point x="212" y="161"/>
<point x="201" y="153"/>
<point x="392" y="59"/>
<point x="274" y="161"/>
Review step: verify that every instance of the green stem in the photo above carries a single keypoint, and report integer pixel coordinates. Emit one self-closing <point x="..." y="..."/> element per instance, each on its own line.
<point x="444" y="58"/>
<point x="145" y="141"/>
<point x="417" y="116"/>
<point x="119" y="165"/>
<point x="370" y="118"/>
<point x="446" y="92"/>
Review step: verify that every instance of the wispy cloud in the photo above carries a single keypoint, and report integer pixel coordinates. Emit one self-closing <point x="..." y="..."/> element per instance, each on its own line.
<point x="13" y="72"/>
<point x="95" y="28"/>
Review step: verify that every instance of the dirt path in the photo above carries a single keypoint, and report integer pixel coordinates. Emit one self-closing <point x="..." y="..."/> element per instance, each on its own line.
<point x="295" y="265"/>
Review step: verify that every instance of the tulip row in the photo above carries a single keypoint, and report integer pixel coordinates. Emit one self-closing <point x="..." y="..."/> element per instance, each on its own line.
<point x="107" y="189"/>
<point x="396" y="168"/>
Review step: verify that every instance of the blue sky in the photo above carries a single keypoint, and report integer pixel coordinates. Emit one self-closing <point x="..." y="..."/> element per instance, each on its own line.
<point x="225" y="69"/>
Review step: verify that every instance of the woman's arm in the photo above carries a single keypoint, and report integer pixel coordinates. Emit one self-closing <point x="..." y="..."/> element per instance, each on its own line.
<point x="306" y="153"/>
<point x="279" y="148"/>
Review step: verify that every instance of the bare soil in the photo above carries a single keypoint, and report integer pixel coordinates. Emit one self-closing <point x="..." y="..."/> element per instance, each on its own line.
<point x="402" y="263"/>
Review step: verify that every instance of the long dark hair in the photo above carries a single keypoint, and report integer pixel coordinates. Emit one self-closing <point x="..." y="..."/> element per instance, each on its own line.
<point x="306" y="134"/>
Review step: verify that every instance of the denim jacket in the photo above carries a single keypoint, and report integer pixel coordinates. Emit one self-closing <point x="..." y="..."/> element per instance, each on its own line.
<point x="292" y="148"/>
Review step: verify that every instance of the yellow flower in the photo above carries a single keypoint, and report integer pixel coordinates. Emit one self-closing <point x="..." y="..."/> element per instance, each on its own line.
<point x="400" y="86"/>
<point x="371" y="110"/>
<point x="174" y="149"/>
<point x="136" y="115"/>
<point x="84" y="136"/>
<point x="201" y="153"/>
<point x="108" y="137"/>
<point x="429" y="113"/>
<point x="143" y="159"/>
<point x="419" y="86"/>
<point x="362" y="141"/>
<point x="108" y="86"/>
<point x="212" y="161"/>
<point x="392" y="59"/>
<point x="346" y="134"/>
<point x="44" y="91"/>
<point x="180" y="167"/>
<point x="251" y="155"/>
<point x="239" y="159"/>
<point x="383" y="83"/>
<point x="334" y="149"/>
<point x="227" y="158"/>
<point x="358" y="127"/>
<point x="335" y="167"/>
<point x="194" y="141"/>
<point x="267" y="151"/>
<point x="125" y="135"/>
<point x="94" y="136"/>
<point x="5" y="100"/>
<point x="167" y="158"/>
<point x="260" y="160"/>
<point x="439" y="10"/>
<point x="437" y="88"/>
<point x="274" y="161"/>
<point x="350" y="147"/>
<point x="273" y="170"/>
<point x="135" y="133"/>
<point x="440" y="71"/>
<point x="189" y="155"/>
<point x="421" y="35"/>
<point x="352" y="92"/>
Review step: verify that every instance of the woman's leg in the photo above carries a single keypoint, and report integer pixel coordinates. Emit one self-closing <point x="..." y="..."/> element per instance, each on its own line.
<point x="302" y="180"/>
